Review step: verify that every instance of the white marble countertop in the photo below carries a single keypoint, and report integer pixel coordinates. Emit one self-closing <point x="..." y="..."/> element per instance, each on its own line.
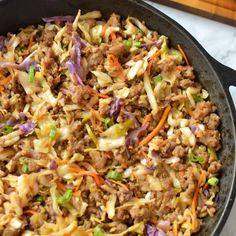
<point x="219" y="40"/>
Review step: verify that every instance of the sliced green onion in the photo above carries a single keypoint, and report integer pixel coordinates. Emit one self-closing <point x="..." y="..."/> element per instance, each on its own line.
<point x="194" y="158"/>
<point x="7" y="129"/>
<point x="53" y="133"/>
<point x="66" y="197"/>
<point x="24" y="166"/>
<point x="91" y="134"/>
<point x="197" y="98"/>
<point x="128" y="43"/>
<point x="39" y="198"/>
<point x="137" y="44"/>
<point x="31" y="74"/>
<point x="113" y="174"/>
<point x="213" y="181"/>
<point x="108" y="122"/>
<point x="157" y="79"/>
<point x="98" y="231"/>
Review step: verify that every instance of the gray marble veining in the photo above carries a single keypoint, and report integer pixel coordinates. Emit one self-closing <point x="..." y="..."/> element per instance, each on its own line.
<point x="219" y="40"/>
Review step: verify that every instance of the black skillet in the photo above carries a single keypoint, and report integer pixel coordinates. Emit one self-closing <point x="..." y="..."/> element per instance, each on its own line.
<point x="215" y="77"/>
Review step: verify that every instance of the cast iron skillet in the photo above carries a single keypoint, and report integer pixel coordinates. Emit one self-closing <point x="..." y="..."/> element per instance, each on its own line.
<point x="215" y="77"/>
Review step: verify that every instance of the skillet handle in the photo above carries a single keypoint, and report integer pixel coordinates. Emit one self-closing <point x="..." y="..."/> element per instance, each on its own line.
<point x="228" y="79"/>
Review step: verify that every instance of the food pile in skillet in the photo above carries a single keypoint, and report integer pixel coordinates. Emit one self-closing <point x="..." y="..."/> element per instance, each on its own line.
<point x="103" y="131"/>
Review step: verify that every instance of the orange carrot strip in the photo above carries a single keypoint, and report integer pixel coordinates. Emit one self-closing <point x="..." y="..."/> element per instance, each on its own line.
<point x="175" y="228"/>
<point x="113" y="36"/>
<point x="147" y="119"/>
<point x="1" y="89"/>
<point x="183" y="54"/>
<point x="95" y="93"/>
<point x="124" y="164"/>
<point x="77" y="193"/>
<point x="152" y="60"/>
<point x="30" y="212"/>
<point x="5" y="80"/>
<point x="114" y="61"/>
<point x="158" y="127"/>
<point x="98" y="179"/>
<point x="194" y="202"/>
<point x="205" y="187"/>
<point x="61" y="186"/>
<point x="62" y="162"/>
<point x="120" y="184"/>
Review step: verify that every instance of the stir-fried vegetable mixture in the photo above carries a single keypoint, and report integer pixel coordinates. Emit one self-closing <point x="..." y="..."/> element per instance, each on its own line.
<point x="103" y="131"/>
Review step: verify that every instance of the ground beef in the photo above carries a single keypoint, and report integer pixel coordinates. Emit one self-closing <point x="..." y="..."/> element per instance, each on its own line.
<point x="187" y="72"/>
<point x="203" y="109"/>
<point x="136" y="90"/>
<point x="212" y="121"/>
<point x="185" y="83"/>
<point x="179" y="151"/>
<point x="214" y="167"/>
<point x="94" y="57"/>
<point x="209" y="137"/>
<point x="116" y="48"/>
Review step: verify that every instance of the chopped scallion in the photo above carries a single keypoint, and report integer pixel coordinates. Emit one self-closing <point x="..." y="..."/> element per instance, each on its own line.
<point x="98" y="231"/>
<point x="157" y="79"/>
<point x="213" y="181"/>
<point x="31" y="74"/>
<point x="137" y="44"/>
<point x="194" y="158"/>
<point x="53" y="133"/>
<point x="7" y="129"/>
<point x="113" y="174"/>
<point x="128" y="43"/>
<point x="66" y="197"/>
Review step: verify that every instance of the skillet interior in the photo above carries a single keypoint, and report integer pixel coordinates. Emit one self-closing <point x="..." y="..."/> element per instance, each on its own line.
<point x="15" y="14"/>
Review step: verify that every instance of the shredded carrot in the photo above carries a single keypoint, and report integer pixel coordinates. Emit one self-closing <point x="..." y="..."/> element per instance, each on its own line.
<point x="124" y="164"/>
<point x="77" y="193"/>
<point x="113" y="36"/>
<point x="117" y="66"/>
<point x="120" y="184"/>
<point x="205" y="187"/>
<point x="175" y="228"/>
<point x="98" y="179"/>
<point x="30" y="212"/>
<point x="194" y="202"/>
<point x="71" y="232"/>
<point x="147" y="119"/>
<point x="183" y="54"/>
<point x="5" y="80"/>
<point x="61" y="186"/>
<point x="152" y="60"/>
<point x="62" y="162"/>
<point x="1" y="89"/>
<point x="78" y="184"/>
<point x="158" y="127"/>
<point x="104" y="28"/>
<point x="95" y="93"/>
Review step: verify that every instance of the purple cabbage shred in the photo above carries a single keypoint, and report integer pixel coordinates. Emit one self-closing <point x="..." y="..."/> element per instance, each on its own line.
<point x="59" y="19"/>
<point x="53" y="165"/>
<point x="27" y="127"/>
<point x="153" y="231"/>
<point x="115" y="108"/>
<point x="74" y="63"/>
